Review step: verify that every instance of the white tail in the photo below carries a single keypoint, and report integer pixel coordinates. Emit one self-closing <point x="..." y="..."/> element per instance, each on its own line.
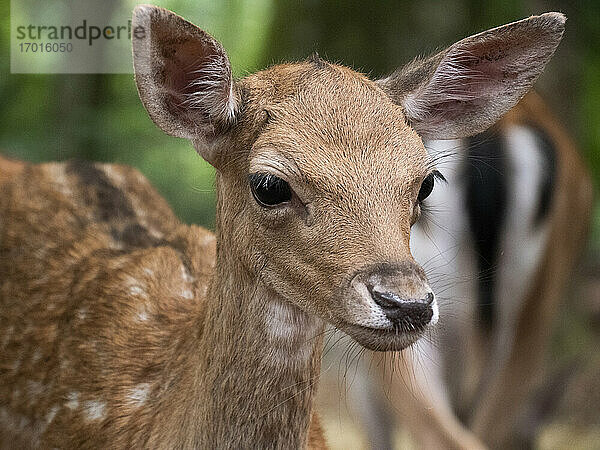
<point x="123" y="328"/>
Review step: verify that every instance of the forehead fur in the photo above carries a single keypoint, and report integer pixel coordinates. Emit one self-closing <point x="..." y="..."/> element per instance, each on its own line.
<point x="325" y="116"/>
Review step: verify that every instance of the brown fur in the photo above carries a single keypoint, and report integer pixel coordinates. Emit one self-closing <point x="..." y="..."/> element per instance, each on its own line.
<point x="124" y="328"/>
<point x="98" y="307"/>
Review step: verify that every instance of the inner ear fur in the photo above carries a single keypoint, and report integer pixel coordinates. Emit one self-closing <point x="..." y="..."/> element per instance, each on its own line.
<point x="183" y="75"/>
<point x="464" y="89"/>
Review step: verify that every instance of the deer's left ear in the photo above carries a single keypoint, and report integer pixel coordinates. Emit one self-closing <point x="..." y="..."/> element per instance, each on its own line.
<point x="464" y="89"/>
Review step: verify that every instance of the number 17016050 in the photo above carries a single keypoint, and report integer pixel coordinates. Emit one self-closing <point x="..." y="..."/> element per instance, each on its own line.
<point x="46" y="47"/>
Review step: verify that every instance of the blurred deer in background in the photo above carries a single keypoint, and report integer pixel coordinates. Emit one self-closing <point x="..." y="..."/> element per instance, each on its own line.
<point x="501" y="239"/>
<point x="123" y="328"/>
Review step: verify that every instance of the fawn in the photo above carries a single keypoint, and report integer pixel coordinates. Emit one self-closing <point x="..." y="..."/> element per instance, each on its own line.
<point x="123" y="328"/>
<point x="502" y="239"/>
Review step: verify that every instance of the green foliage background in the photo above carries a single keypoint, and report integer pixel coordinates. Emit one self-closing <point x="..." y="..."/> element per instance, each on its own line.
<point x="99" y="117"/>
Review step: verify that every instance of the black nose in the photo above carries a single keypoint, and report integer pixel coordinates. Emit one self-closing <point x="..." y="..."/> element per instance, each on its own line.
<point x="406" y="312"/>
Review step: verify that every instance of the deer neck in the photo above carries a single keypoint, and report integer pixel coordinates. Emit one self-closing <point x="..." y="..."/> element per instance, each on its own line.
<point x="259" y="362"/>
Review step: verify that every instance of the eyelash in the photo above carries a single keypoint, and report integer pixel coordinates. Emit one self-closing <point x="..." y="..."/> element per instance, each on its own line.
<point x="269" y="190"/>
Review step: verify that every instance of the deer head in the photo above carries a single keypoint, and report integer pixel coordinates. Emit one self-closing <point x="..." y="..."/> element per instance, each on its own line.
<point x="321" y="172"/>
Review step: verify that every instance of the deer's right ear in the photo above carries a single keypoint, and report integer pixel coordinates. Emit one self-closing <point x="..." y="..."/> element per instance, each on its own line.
<point x="183" y="78"/>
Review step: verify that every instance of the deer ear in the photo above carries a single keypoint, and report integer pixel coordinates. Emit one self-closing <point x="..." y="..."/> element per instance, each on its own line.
<point x="464" y="89"/>
<point x="183" y="77"/>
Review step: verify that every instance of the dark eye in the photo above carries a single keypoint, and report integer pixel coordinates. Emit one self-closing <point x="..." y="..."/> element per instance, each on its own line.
<point x="427" y="185"/>
<point x="269" y="190"/>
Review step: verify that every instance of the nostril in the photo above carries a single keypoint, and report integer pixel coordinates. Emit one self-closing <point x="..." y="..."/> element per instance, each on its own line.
<point x="417" y="313"/>
<point x="385" y="299"/>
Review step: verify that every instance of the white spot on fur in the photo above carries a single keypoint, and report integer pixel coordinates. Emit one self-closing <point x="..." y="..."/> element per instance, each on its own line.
<point x="52" y="413"/>
<point x="187" y="294"/>
<point x="185" y="275"/>
<point x="155" y="233"/>
<point x="291" y="332"/>
<point x="37" y="355"/>
<point x="149" y="272"/>
<point x="142" y="315"/>
<point x="285" y="321"/>
<point x="72" y="400"/>
<point x="279" y="321"/>
<point x="139" y="394"/>
<point x="94" y="409"/>
<point x="137" y="290"/>
<point x="82" y="313"/>
<point x="136" y="287"/>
